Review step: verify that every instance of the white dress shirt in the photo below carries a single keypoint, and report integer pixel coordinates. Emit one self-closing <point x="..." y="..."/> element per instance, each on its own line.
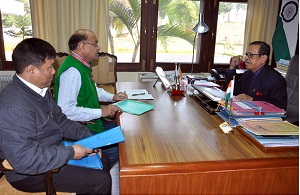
<point x="70" y="83"/>
<point x="38" y="90"/>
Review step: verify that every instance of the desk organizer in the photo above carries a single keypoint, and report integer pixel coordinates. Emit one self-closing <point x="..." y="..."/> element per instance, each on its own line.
<point x="176" y="92"/>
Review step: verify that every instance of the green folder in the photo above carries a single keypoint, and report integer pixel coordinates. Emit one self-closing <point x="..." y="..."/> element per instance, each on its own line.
<point x="134" y="107"/>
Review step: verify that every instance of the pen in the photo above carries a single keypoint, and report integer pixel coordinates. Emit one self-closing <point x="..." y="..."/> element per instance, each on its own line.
<point x="138" y="94"/>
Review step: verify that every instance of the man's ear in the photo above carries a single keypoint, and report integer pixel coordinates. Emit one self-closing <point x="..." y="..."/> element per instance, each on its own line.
<point x="264" y="58"/>
<point x="30" y="70"/>
<point x="81" y="46"/>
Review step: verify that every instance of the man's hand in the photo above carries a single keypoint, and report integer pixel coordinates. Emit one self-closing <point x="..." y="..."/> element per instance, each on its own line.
<point x="80" y="151"/>
<point x="243" y="96"/>
<point x="235" y="61"/>
<point x="120" y="96"/>
<point x="109" y="110"/>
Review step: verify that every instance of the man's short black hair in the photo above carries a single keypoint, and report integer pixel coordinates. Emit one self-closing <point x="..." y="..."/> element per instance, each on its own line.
<point x="32" y="51"/>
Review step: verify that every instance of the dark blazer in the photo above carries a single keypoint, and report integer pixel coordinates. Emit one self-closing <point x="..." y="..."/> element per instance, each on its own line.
<point x="269" y="85"/>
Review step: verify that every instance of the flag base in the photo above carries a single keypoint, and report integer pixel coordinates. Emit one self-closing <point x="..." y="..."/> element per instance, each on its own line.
<point x="225" y="127"/>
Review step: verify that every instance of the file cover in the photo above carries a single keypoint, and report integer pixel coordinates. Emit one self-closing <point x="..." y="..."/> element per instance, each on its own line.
<point x="99" y="140"/>
<point x="134" y="107"/>
<point x="254" y="108"/>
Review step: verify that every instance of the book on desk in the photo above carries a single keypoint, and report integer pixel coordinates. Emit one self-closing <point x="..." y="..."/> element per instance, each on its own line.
<point x="262" y="124"/>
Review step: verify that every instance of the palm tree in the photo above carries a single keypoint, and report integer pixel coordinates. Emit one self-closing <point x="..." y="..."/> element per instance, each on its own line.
<point x="126" y="15"/>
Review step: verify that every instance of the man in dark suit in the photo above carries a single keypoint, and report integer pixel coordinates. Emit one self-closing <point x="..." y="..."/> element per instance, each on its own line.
<point x="260" y="82"/>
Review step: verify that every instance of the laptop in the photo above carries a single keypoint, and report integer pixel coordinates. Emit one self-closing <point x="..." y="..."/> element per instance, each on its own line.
<point x="162" y="77"/>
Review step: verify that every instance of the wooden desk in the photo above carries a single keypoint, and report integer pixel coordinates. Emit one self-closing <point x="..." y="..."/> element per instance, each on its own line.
<point x="178" y="148"/>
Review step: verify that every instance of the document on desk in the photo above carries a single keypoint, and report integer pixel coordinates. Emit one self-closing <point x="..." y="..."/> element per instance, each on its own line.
<point x="271" y="128"/>
<point x="274" y="141"/>
<point x="134" y="107"/>
<point x="138" y="94"/>
<point x="214" y="93"/>
<point x="205" y="83"/>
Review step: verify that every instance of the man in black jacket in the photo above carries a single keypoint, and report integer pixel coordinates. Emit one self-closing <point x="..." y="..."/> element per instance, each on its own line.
<point x="32" y="128"/>
<point x="260" y="82"/>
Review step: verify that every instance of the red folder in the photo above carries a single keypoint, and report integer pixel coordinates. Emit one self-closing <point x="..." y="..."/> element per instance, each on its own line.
<point x="254" y="108"/>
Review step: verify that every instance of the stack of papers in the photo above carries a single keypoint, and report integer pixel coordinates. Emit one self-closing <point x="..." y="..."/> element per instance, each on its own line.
<point x="138" y="94"/>
<point x="273" y="141"/>
<point x="205" y="83"/>
<point x="274" y="128"/>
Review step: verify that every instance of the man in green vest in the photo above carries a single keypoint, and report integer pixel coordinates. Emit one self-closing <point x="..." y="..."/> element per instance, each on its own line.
<point x="76" y="93"/>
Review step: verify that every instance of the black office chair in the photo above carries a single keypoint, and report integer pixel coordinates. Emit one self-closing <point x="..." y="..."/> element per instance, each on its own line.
<point x="292" y="79"/>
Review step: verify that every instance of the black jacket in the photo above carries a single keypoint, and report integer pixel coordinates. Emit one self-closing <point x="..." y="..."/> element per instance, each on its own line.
<point x="31" y="131"/>
<point x="269" y="85"/>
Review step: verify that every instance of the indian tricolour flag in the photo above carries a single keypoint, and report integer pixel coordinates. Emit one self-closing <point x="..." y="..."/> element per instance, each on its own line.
<point x="229" y="92"/>
<point x="284" y="40"/>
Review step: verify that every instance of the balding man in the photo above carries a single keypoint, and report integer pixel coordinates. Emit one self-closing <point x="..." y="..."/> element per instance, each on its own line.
<point x="76" y="92"/>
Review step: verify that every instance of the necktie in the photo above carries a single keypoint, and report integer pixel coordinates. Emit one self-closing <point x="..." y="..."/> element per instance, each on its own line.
<point x="252" y="78"/>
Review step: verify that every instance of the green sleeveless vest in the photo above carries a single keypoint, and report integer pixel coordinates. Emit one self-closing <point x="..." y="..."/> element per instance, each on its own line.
<point x="87" y="96"/>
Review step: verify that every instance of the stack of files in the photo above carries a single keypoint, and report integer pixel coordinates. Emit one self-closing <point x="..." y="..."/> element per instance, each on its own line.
<point x="105" y="138"/>
<point x="134" y="107"/>
<point x="205" y="83"/>
<point x="251" y="109"/>
<point x="213" y="93"/>
<point x="138" y="94"/>
<point x="271" y="136"/>
<point x="270" y="128"/>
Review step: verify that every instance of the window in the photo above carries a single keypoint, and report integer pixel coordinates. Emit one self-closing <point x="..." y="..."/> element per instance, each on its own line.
<point x="149" y="33"/>
<point x="230" y="42"/>
<point x="16" y="26"/>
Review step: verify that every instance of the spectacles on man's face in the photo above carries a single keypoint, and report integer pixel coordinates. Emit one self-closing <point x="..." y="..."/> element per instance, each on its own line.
<point x="94" y="44"/>
<point x="250" y="55"/>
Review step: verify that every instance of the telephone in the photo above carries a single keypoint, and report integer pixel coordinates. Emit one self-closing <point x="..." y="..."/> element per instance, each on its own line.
<point x="218" y="73"/>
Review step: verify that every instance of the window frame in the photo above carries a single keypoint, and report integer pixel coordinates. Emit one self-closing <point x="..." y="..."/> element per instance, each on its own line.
<point x="205" y="42"/>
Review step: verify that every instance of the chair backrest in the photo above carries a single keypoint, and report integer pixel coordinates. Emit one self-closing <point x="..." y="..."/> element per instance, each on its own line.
<point x="5" y="78"/>
<point x="105" y="69"/>
<point x="292" y="79"/>
<point x="60" y="57"/>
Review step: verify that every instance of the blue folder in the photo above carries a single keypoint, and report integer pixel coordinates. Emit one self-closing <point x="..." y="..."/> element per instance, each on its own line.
<point x="104" y="138"/>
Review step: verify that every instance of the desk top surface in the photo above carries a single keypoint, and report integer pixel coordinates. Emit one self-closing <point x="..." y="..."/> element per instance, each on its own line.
<point x="179" y="130"/>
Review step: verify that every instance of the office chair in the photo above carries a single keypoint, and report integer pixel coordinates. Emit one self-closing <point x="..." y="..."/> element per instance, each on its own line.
<point x="104" y="71"/>
<point x="292" y="79"/>
<point x="48" y="182"/>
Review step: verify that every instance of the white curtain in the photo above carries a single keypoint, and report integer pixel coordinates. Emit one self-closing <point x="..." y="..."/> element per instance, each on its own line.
<point x="261" y="21"/>
<point x="56" y="20"/>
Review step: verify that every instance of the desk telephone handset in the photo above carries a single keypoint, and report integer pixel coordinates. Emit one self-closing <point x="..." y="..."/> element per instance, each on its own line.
<point x="218" y="73"/>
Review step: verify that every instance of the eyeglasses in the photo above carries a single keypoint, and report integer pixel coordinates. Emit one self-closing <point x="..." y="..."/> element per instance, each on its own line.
<point x="93" y="44"/>
<point x="250" y="55"/>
